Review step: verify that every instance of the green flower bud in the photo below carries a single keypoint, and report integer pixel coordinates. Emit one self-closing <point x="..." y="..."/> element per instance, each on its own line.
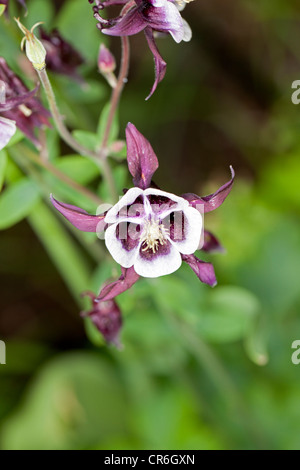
<point x="34" y="49"/>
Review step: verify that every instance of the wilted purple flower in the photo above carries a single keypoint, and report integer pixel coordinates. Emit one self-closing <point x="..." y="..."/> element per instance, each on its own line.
<point x="149" y="232"/>
<point x="106" y="314"/>
<point x="107" y="318"/>
<point x="19" y="106"/>
<point x="61" y="57"/>
<point x="150" y="16"/>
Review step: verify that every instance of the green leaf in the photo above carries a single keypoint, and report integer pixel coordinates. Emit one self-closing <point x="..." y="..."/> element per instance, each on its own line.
<point x="91" y="92"/>
<point x="16" y="138"/>
<point x="78" y="168"/>
<point x="76" y="401"/>
<point x="77" y="24"/>
<point x="120" y="174"/>
<point x="87" y="139"/>
<point x="17" y="202"/>
<point x="36" y="13"/>
<point x="3" y="162"/>
<point x="2" y="9"/>
<point x="256" y="345"/>
<point x="114" y="130"/>
<point x="228" y="315"/>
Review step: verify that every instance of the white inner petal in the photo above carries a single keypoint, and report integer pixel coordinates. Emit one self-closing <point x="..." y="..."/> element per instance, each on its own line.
<point x="7" y="130"/>
<point x="159" y="265"/>
<point x="128" y="199"/>
<point x="114" y="245"/>
<point x="190" y="234"/>
<point x="187" y="32"/>
<point x="181" y="204"/>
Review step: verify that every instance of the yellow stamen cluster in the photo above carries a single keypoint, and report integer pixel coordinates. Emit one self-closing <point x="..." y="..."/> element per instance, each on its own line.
<point x="154" y="233"/>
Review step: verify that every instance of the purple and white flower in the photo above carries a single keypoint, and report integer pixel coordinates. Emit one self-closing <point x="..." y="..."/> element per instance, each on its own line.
<point x="150" y="232"/>
<point x="150" y="229"/>
<point x="150" y="16"/>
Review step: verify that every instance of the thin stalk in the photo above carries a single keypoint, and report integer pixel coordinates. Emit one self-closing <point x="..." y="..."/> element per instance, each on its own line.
<point x="116" y="94"/>
<point x="63" y="131"/>
<point x="95" y="250"/>
<point x="100" y="156"/>
<point x="69" y="139"/>
<point x="114" y="102"/>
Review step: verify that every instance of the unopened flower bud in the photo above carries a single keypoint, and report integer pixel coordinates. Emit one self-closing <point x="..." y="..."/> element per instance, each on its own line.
<point x="107" y="318"/>
<point x="106" y="60"/>
<point x="34" y="48"/>
<point x="107" y="65"/>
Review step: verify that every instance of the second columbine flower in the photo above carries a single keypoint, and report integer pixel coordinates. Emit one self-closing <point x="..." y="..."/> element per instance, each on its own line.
<point x="150" y="16"/>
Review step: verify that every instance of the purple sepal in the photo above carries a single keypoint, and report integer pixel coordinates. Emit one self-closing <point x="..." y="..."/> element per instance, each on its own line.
<point x="160" y="64"/>
<point x="107" y="318"/>
<point x="130" y="24"/>
<point x="127" y="279"/>
<point x="213" y="201"/>
<point x="80" y="218"/>
<point x="204" y="271"/>
<point x="142" y="161"/>
<point x="211" y="244"/>
<point x="15" y="101"/>
<point x="165" y="18"/>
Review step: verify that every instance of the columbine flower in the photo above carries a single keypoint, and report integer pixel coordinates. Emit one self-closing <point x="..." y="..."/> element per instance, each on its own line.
<point x="19" y="107"/>
<point x="61" y="57"/>
<point x="150" y="232"/>
<point x="150" y="16"/>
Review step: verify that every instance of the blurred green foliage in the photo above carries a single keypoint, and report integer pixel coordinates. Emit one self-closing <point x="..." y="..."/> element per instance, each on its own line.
<point x="201" y="368"/>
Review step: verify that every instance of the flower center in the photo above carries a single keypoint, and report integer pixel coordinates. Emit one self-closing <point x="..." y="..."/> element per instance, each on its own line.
<point x="154" y="233"/>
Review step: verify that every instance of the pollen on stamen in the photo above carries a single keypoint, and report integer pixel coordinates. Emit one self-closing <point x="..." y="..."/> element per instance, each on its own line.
<point x="154" y="234"/>
<point x="26" y="111"/>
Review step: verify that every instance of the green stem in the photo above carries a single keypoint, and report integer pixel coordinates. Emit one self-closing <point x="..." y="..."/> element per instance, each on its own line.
<point x="116" y="93"/>
<point x="69" y="139"/>
<point x="114" y="102"/>
<point x="62" y="129"/>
